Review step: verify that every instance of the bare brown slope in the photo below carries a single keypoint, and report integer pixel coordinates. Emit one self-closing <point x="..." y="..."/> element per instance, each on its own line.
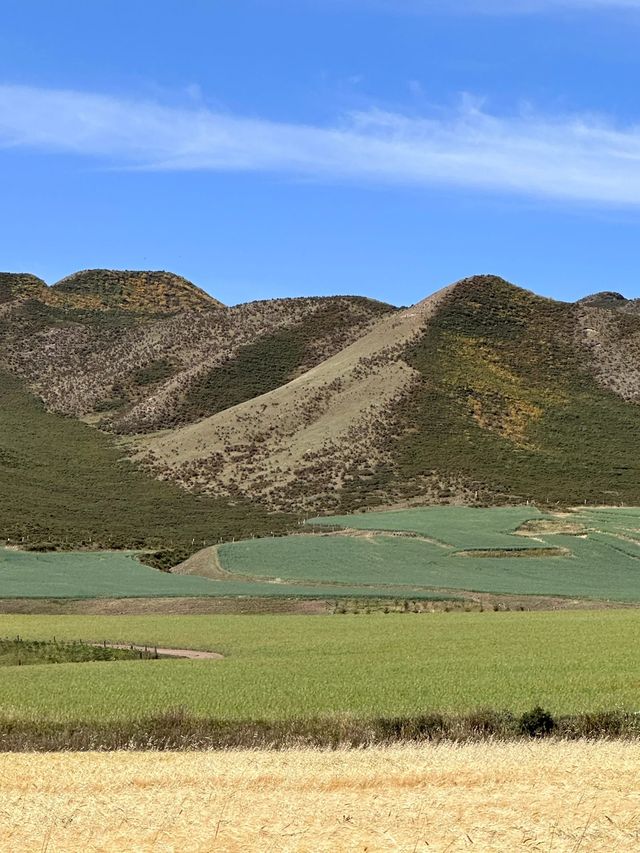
<point x="292" y="446"/>
<point x="254" y="348"/>
<point x="611" y="339"/>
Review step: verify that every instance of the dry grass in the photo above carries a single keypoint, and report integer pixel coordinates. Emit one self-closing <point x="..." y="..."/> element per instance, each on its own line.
<point x="467" y="601"/>
<point x="551" y="796"/>
<point x="194" y="606"/>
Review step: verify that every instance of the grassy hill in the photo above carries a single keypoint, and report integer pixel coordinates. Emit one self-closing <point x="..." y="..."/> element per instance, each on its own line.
<point x="20" y="285"/>
<point x="509" y="402"/>
<point x="64" y="483"/>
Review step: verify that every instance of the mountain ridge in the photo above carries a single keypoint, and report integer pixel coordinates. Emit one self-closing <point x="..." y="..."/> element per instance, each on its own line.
<point x="495" y="379"/>
<point x="481" y="393"/>
<point x="140" y="291"/>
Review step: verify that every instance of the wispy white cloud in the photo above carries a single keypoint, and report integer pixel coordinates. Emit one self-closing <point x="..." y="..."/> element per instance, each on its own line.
<point x="490" y="7"/>
<point x="583" y="158"/>
<point x="622" y="4"/>
<point x="533" y="6"/>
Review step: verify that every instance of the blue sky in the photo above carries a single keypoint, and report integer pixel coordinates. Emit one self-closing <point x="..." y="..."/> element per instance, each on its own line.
<point x="270" y="148"/>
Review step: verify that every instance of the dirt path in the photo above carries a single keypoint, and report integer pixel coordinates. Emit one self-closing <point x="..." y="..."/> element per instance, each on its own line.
<point x="206" y="564"/>
<point x="191" y="654"/>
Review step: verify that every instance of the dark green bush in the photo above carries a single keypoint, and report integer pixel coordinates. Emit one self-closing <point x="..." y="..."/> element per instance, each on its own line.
<point x="155" y="371"/>
<point x="537" y="722"/>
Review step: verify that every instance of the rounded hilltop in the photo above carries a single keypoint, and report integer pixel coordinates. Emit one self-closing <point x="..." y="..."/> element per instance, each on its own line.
<point x="494" y="286"/>
<point x="14" y="285"/>
<point x="604" y="299"/>
<point x="480" y="285"/>
<point x="612" y="301"/>
<point x="153" y="291"/>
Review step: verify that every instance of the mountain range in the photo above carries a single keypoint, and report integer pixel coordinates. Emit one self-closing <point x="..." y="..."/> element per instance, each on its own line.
<point x="224" y="420"/>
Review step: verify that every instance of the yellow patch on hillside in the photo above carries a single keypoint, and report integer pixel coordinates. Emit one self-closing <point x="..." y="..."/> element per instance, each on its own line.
<point x="512" y="423"/>
<point x="499" y="400"/>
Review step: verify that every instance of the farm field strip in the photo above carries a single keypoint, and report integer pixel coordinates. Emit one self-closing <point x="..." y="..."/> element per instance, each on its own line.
<point x="118" y="574"/>
<point x="482" y="553"/>
<point x="611" y="519"/>
<point x="292" y="667"/>
<point x="596" y="568"/>
<point x="459" y="527"/>
<point x="547" y="795"/>
<point x="442" y="552"/>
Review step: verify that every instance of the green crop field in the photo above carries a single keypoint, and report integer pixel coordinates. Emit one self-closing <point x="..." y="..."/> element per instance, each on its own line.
<point x="417" y="553"/>
<point x="118" y="574"/>
<point x="460" y="527"/>
<point x="285" y="667"/>
<point x="462" y="549"/>
<point x="26" y="574"/>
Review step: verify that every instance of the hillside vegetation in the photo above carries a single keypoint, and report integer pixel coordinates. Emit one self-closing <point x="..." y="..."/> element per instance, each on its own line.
<point x="511" y="403"/>
<point x="149" y="292"/>
<point x="482" y="393"/>
<point x="137" y="352"/>
<point x="20" y="286"/>
<point x="64" y="483"/>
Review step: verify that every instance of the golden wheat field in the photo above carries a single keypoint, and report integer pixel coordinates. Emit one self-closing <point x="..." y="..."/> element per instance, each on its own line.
<point x="549" y="796"/>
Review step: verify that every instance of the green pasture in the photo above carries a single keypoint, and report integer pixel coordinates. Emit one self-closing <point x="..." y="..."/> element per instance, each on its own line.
<point x="91" y="574"/>
<point x="285" y="667"/>
<point x="118" y="574"/>
<point x="603" y="562"/>
<point x="413" y="553"/>
<point x="458" y="527"/>
<point x="596" y="568"/>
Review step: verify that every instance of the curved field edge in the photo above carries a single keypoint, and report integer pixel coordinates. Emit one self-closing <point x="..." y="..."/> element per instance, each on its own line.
<point x="568" y="566"/>
<point x="452" y="526"/>
<point x="287" y="668"/>
<point x="587" y="553"/>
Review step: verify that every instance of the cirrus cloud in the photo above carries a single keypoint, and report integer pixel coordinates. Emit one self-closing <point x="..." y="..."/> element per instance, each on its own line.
<point x="500" y="7"/>
<point x="570" y="157"/>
